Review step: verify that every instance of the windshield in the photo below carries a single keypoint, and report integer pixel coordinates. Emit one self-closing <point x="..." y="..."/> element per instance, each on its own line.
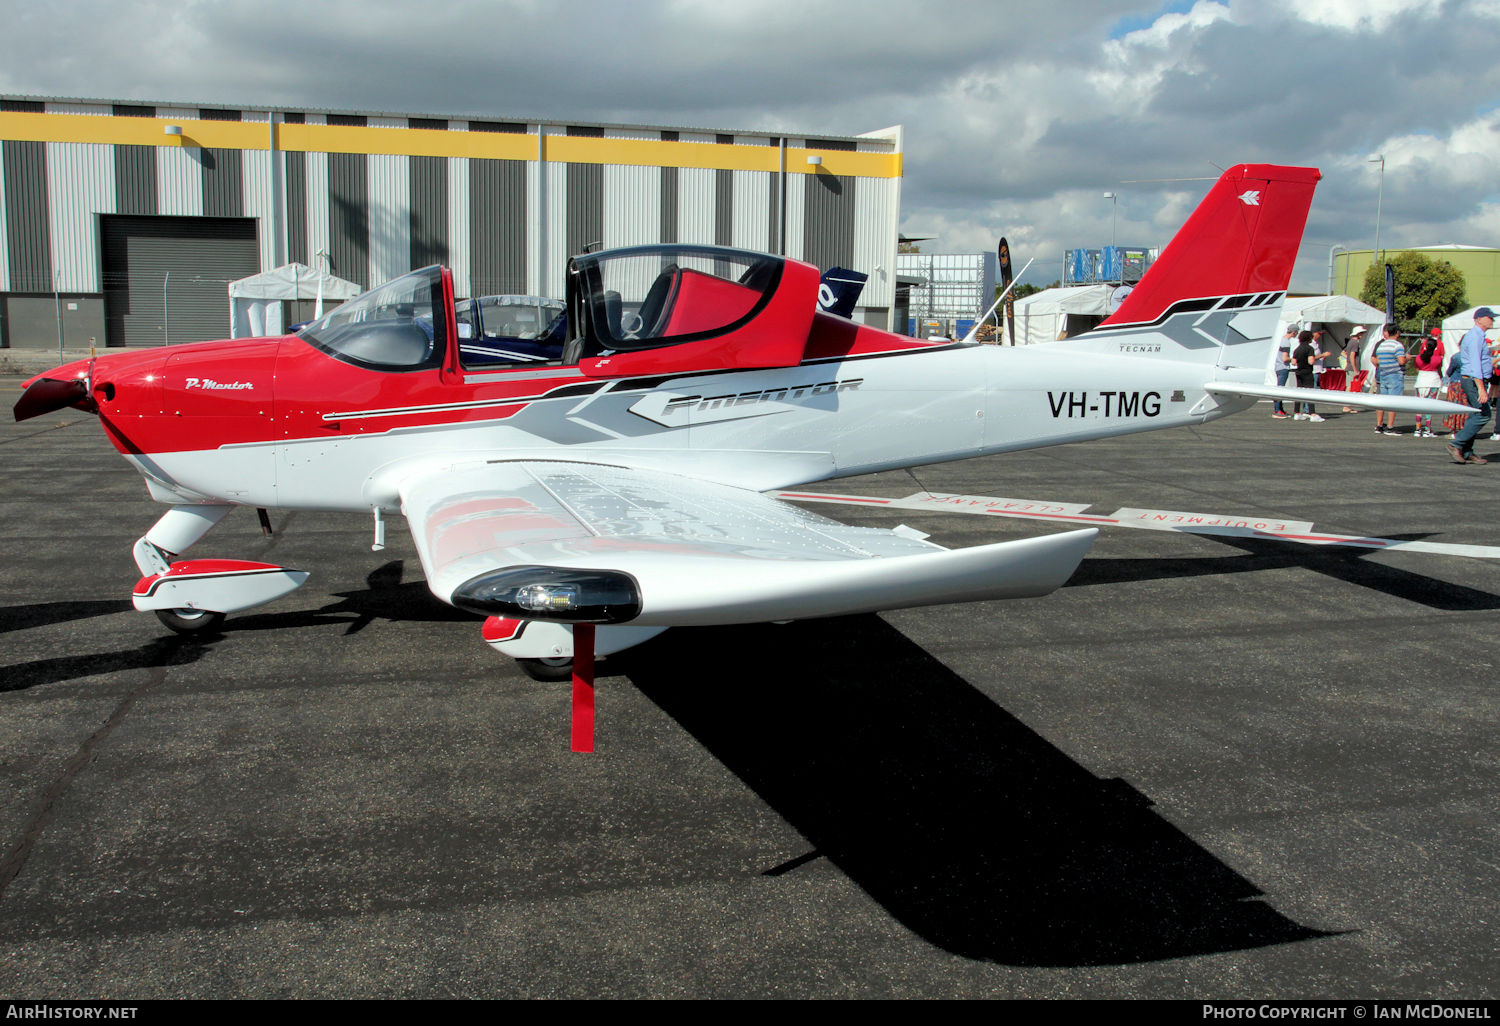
<point x="391" y="327"/>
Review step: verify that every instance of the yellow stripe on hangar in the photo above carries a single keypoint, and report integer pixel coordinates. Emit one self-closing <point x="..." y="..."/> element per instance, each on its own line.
<point x="426" y="142"/>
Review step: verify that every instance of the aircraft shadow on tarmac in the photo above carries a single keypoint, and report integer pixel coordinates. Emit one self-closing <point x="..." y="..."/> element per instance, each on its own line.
<point x="38" y="614"/>
<point x="1342" y="563"/>
<point x="167" y="651"/>
<point x="386" y="598"/>
<point x="963" y="823"/>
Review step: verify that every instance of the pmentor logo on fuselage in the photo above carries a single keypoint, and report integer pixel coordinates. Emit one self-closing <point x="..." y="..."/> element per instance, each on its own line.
<point x="666" y="408"/>
<point x="219" y="386"/>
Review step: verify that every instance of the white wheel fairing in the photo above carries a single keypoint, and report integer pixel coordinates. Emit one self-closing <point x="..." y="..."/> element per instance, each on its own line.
<point x="539" y="640"/>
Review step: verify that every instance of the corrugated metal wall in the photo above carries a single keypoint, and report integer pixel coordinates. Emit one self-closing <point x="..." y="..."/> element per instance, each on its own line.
<point x="135" y="179"/>
<point x="389" y="216"/>
<point x="876" y="223"/>
<point x="497" y="214"/>
<point x="81" y="185"/>
<point x="179" y="182"/>
<point x="460" y="240"/>
<point x="223" y="182"/>
<point x="372" y="216"/>
<point x="632" y="198"/>
<point x="4" y="244"/>
<point x="349" y="216"/>
<point x="427" y="206"/>
<point x="262" y="201"/>
<point x="751" y="208"/>
<point x="316" y="184"/>
<point x="27" y="232"/>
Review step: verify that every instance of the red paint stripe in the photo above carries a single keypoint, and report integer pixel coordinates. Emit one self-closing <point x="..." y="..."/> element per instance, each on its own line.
<point x="937" y="506"/>
<point x="583" y="687"/>
<point x="835" y="498"/>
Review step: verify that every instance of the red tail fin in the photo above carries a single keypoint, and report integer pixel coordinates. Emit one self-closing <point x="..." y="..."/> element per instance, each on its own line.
<point x="1243" y="238"/>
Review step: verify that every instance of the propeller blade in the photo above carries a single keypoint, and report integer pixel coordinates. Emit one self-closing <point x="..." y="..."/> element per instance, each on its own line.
<point x="47" y="394"/>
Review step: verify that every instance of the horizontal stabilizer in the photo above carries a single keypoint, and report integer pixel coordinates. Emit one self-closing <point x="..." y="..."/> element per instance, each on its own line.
<point x="1359" y="400"/>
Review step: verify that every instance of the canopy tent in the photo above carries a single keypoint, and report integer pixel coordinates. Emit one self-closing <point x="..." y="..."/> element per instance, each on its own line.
<point x="1336" y="317"/>
<point x="255" y="303"/>
<point x="1053" y="314"/>
<point x="1455" y="327"/>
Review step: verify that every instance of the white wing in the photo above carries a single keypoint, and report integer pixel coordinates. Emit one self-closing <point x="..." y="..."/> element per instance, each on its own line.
<point x="563" y="541"/>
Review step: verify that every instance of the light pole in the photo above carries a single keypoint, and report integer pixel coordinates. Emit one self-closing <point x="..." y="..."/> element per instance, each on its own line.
<point x="1379" y="199"/>
<point x="1113" y="212"/>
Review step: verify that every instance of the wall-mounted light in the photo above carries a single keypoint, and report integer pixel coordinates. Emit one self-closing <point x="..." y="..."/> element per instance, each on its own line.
<point x="171" y="130"/>
<point x="815" y="160"/>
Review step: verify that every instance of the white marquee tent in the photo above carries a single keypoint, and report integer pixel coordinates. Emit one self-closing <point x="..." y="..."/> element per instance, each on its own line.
<point x="1455" y="327"/>
<point x="1051" y="314"/>
<point x="1336" y="316"/>
<point x="255" y="303"/>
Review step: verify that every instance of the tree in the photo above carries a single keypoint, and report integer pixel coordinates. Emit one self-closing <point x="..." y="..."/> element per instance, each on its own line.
<point x="1426" y="289"/>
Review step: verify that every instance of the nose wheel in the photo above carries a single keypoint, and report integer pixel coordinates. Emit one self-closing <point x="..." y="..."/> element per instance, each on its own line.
<point x="189" y="621"/>
<point x="551" y="669"/>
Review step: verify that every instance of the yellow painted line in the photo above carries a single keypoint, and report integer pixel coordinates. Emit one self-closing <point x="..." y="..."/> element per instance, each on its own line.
<point x="427" y="142"/>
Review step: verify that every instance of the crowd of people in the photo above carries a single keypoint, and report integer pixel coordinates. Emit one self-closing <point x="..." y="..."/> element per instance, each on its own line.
<point x="1470" y="376"/>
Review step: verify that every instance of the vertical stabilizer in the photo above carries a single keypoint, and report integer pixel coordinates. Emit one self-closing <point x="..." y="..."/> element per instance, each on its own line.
<point x="1242" y="240"/>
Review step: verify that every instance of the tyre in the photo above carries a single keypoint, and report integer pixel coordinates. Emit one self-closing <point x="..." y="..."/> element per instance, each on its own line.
<point x="189" y="621"/>
<point x="554" y="669"/>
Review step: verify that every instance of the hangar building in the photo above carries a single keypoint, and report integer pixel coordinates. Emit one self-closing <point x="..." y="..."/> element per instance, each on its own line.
<point x="125" y="222"/>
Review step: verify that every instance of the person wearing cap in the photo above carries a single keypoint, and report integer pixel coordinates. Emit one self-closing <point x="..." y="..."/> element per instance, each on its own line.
<point x="1352" y="382"/>
<point x="1284" y="366"/>
<point x="1474" y="355"/>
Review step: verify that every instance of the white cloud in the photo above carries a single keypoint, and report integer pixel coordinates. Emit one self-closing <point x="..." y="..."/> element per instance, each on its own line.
<point x="1375" y="15"/>
<point x="1017" y="117"/>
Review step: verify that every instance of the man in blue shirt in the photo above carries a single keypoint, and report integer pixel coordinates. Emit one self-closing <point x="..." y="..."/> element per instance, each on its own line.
<point x="1474" y="353"/>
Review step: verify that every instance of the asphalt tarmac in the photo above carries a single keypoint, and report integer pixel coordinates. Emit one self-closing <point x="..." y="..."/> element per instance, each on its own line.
<point x="1207" y="767"/>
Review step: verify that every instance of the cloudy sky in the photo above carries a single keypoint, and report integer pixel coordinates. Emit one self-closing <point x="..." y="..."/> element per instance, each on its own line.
<point x="1018" y="117"/>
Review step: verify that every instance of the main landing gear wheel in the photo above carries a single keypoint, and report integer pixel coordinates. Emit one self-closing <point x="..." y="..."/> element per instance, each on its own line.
<point x="552" y="669"/>
<point x="189" y="621"/>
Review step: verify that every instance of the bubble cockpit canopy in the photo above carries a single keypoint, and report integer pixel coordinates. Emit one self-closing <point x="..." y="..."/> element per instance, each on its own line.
<point x="645" y="297"/>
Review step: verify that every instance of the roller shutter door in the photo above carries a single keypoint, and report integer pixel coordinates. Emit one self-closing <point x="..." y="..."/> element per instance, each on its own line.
<point x="166" y="279"/>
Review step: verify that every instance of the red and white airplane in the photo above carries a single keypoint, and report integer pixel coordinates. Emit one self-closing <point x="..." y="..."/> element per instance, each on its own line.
<point x="620" y="485"/>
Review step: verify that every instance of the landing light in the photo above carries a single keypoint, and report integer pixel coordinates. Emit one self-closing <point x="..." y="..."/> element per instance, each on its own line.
<point x="546" y="598"/>
<point x="552" y="593"/>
